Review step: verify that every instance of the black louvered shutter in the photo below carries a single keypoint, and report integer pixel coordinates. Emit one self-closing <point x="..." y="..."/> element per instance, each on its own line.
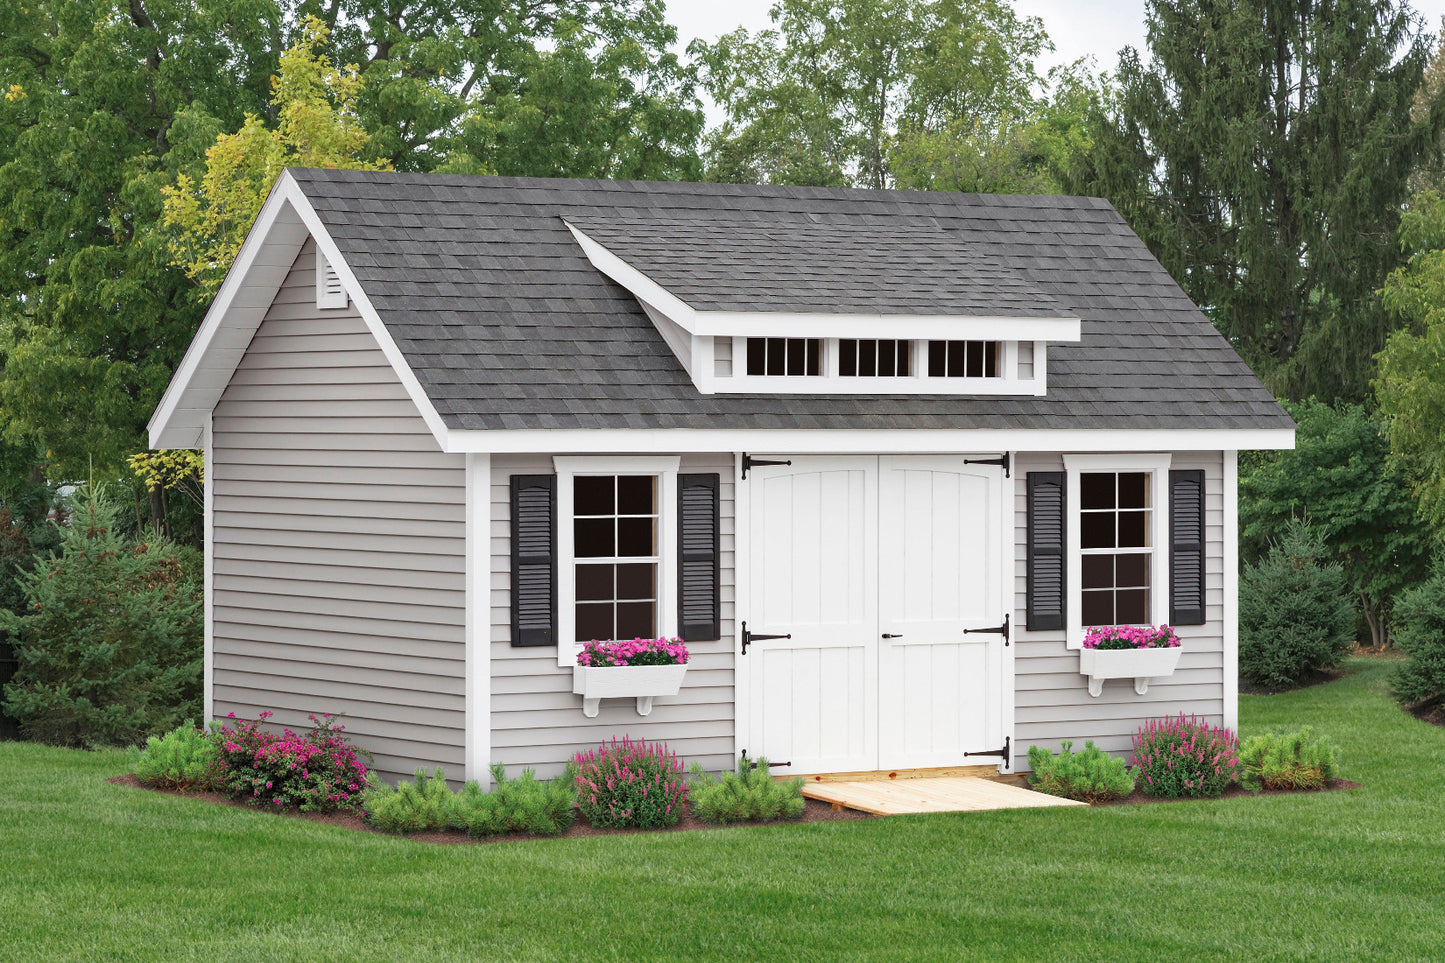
<point x="699" y="590"/>
<point x="1045" y="566"/>
<point x="1186" y="547"/>
<point x="534" y="559"/>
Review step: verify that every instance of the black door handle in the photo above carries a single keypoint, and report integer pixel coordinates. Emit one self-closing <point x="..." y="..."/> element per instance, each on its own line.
<point x="892" y="635"/>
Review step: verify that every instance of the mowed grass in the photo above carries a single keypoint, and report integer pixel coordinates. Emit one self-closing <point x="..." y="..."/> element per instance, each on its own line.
<point x="94" y="871"/>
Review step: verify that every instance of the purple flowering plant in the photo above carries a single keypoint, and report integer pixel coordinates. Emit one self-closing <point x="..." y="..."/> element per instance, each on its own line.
<point x="633" y="652"/>
<point x="1185" y="757"/>
<point x="639" y="784"/>
<point x="1110" y="637"/>
<point x="319" y="771"/>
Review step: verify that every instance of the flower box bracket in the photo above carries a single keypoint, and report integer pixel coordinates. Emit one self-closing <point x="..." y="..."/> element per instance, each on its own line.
<point x="1141" y="665"/>
<point x="641" y="682"/>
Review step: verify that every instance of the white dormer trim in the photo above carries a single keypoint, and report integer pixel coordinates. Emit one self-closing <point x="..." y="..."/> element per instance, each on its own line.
<point x="330" y="292"/>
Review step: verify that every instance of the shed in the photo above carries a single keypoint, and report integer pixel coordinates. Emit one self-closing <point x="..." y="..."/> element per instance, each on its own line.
<point x="879" y="457"/>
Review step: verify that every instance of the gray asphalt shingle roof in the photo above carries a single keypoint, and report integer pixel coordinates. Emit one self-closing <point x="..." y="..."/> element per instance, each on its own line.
<point x="508" y="326"/>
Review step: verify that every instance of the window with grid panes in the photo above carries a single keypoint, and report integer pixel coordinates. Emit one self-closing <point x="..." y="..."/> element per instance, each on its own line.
<point x="1115" y="522"/>
<point x="615" y="554"/>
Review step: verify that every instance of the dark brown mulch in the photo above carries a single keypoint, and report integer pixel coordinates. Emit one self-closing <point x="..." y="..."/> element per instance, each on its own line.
<point x="1233" y="792"/>
<point x="815" y="811"/>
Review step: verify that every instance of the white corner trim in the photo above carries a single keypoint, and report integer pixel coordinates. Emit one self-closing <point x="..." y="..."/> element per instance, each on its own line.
<point x="742" y="599"/>
<point x="1231" y="590"/>
<point x="1157" y="464"/>
<point x="478" y="686"/>
<point x="208" y="605"/>
<point x="817" y="441"/>
<point x="568" y="468"/>
<point x="286" y="196"/>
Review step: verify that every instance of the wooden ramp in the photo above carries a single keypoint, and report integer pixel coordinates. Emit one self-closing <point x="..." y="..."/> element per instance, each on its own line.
<point x="948" y="794"/>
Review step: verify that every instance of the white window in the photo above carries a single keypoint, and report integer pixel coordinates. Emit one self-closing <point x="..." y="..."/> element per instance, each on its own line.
<point x="616" y="565"/>
<point x="965" y="359"/>
<point x="874" y="358"/>
<point x="1118" y="551"/>
<point x="784" y="357"/>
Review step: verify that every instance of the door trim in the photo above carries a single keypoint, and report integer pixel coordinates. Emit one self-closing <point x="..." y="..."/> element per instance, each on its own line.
<point x="742" y="582"/>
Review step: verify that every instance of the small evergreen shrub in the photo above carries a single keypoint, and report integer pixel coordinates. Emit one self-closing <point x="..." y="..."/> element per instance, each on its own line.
<point x="1296" y="612"/>
<point x="1419" y="682"/>
<point x="522" y="805"/>
<point x="1287" y="760"/>
<point x="109" y="637"/>
<point x="183" y="759"/>
<point x="1185" y="757"/>
<point x="316" y="772"/>
<point x="1090" y="776"/>
<point x="748" y="795"/>
<point x="412" y="807"/>
<point x="638" y="784"/>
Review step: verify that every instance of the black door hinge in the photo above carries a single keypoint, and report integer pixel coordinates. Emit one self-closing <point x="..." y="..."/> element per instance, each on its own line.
<point x="750" y="637"/>
<point x="750" y="462"/>
<point x="1000" y="460"/>
<point x="752" y="763"/>
<point x="992" y="630"/>
<point x="1001" y="753"/>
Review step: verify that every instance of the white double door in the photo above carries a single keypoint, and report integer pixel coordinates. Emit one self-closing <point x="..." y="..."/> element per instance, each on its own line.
<point x="875" y="566"/>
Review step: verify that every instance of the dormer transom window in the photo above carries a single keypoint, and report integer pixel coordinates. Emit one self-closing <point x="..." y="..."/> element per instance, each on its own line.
<point x="868" y="358"/>
<point x="784" y="357"/>
<point x="963" y="359"/>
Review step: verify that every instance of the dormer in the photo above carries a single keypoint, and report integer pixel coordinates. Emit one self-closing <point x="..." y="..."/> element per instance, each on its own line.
<point x="795" y="306"/>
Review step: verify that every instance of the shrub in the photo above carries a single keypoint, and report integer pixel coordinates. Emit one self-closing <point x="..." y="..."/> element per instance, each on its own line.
<point x="1185" y="757"/>
<point x="1091" y="776"/>
<point x="1419" y="682"/>
<point x="317" y="772"/>
<point x="183" y="759"/>
<point x="412" y="807"/>
<point x="109" y="642"/>
<point x="747" y="795"/>
<point x="1115" y="637"/>
<point x="522" y="805"/>
<point x="1296" y="614"/>
<point x="634" y="652"/>
<point x="1289" y="760"/>
<point x="630" y="783"/>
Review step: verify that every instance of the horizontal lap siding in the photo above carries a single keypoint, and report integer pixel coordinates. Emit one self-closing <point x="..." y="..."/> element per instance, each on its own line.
<point x="1052" y="700"/>
<point x="339" y="533"/>
<point x="537" y="721"/>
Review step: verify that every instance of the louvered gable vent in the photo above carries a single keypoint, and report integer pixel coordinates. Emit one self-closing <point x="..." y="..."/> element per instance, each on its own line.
<point x="329" y="291"/>
<point x="1045" y="566"/>
<point x="699" y="608"/>
<point x="1186" y="548"/>
<point x="534" y="560"/>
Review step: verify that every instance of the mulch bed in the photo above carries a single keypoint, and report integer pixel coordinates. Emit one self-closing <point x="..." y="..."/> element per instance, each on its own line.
<point x="1235" y="791"/>
<point x="814" y="812"/>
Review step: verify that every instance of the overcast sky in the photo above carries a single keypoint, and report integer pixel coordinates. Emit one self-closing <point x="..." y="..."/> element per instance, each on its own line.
<point x="1097" y="28"/>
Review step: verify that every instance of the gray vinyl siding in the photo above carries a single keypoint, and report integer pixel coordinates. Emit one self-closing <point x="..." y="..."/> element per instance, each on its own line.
<point x="339" y="538"/>
<point x="537" y="721"/>
<point x="1052" y="698"/>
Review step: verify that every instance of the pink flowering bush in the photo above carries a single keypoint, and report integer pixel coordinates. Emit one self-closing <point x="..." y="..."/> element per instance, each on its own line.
<point x="630" y="783"/>
<point x="1185" y="757"/>
<point x="316" y="772"/>
<point x="635" y="652"/>
<point x="1110" y="637"/>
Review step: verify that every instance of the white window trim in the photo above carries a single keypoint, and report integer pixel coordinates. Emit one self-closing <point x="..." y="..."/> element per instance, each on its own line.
<point x="665" y="468"/>
<point x="1157" y="464"/>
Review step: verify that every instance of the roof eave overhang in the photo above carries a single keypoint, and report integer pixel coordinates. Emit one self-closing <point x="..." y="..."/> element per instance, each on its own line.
<point x="266" y="256"/>
<point x="820" y="325"/>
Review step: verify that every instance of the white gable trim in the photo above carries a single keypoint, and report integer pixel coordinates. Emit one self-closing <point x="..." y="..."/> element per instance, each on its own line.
<point x="814" y="325"/>
<point x="265" y="257"/>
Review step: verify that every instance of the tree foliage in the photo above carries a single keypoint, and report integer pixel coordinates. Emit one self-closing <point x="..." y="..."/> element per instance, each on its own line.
<point x="1342" y="482"/>
<point x="1263" y="151"/>
<point x="883" y="93"/>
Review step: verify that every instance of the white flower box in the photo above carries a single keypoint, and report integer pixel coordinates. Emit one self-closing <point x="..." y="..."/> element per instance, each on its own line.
<point x="1141" y="665"/>
<point x="643" y="682"/>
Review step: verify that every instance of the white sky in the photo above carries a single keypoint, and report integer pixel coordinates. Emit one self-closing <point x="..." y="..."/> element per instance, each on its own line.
<point x="1078" y="28"/>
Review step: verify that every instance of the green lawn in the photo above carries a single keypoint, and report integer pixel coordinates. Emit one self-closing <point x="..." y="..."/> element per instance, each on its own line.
<point x="99" y="872"/>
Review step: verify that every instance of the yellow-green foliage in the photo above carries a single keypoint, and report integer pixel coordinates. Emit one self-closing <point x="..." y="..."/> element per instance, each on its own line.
<point x="1091" y="776"/>
<point x="747" y="795"/>
<point x="412" y="807"/>
<point x="182" y="759"/>
<point x="314" y="102"/>
<point x="1288" y="760"/>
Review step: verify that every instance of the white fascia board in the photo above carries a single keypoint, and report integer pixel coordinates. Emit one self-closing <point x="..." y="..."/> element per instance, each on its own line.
<point x="822" y="441"/>
<point x="210" y="361"/>
<point x="815" y="325"/>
